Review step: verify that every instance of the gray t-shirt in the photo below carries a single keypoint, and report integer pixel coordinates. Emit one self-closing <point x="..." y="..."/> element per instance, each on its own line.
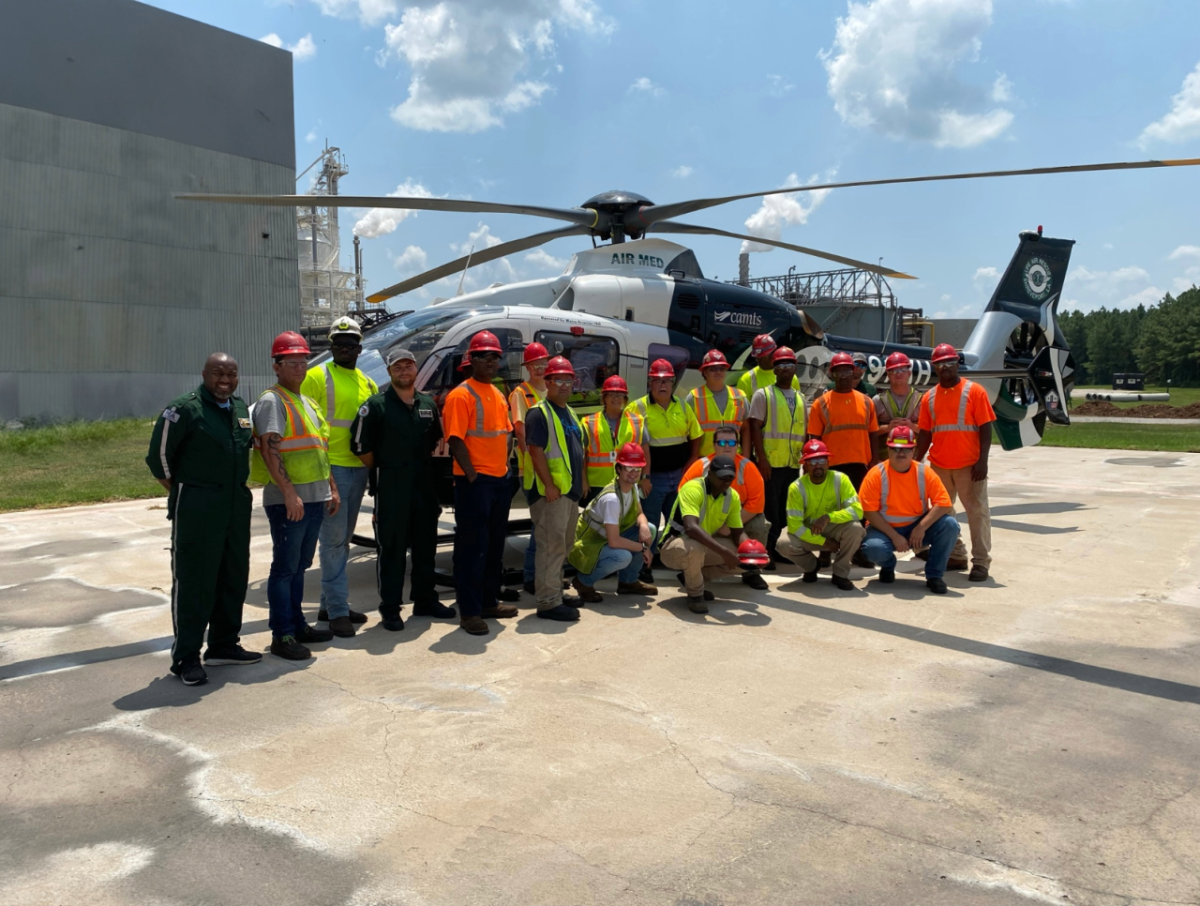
<point x="758" y="403"/>
<point x="271" y="418"/>
<point x="721" y="398"/>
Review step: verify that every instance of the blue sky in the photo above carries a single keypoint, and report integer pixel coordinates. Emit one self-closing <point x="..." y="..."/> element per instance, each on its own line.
<point x="552" y="101"/>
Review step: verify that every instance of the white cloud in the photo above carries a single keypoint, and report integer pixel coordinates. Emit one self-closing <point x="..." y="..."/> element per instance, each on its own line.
<point x="1183" y="120"/>
<point x="368" y="12"/>
<point x="1190" y="278"/>
<point x="273" y="39"/>
<point x="469" y="58"/>
<point x="778" y="86"/>
<point x="1151" y="295"/>
<point x="381" y="221"/>
<point x="778" y="211"/>
<point x="894" y="69"/>
<point x="1184" y="251"/>
<point x="543" y="260"/>
<point x="645" y="86"/>
<point x="683" y="171"/>
<point x="312" y="136"/>
<point x="412" y="260"/>
<point x="1002" y="89"/>
<point x="304" y="49"/>
<point x="1108" y="282"/>
<point x="986" y="273"/>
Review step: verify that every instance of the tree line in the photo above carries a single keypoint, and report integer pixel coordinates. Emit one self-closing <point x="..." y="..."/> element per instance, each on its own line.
<point x="1163" y="341"/>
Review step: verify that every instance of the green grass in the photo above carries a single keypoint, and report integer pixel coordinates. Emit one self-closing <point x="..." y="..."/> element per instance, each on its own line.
<point x="1108" y="436"/>
<point x="1180" y="396"/>
<point x="75" y="463"/>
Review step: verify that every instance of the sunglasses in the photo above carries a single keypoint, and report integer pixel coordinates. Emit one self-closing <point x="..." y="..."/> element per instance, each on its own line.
<point x="563" y="381"/>
<point x="726" y="443"/>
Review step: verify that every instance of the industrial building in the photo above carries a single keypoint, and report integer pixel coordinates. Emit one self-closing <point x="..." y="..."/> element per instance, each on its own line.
<point x="112" y="293"/>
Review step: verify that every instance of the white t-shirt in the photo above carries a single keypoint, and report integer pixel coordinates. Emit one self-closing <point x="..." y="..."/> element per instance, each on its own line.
<point x="608" y="507"/>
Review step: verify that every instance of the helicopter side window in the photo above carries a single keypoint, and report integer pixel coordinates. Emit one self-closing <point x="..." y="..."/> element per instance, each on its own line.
<point x="594" y="359"/>
<point x="447" y="376"/>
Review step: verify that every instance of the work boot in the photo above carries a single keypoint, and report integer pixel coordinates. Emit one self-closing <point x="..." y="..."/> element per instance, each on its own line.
<point x="636" y="588"/>
<point x="499" y="612"/>
<point x="289" y="649"/>
<point x="474" y="625"/>
<point x="393" y="624"/>
<point x="564" y="613"/>
<point x="342" y="627"/>
<point x="824" y="560"/>
<point x="697" y="605"/>
<point x="354" y="616"/>
<point x="843" y="583"/>
<point x="510" y="594"/>
<point x="530" y="588"/>
<point x="191" y="672"/>
<point x="233" y="656"/>
<point x="962" y="563"/>
<point x="755" y="581"/>
<point x="860" y="560"/>
<point x="810" y="577"/>
<point x="978" y="573"/>
<point x="937" y="586"/>
<point x="587" y="593"/>
<point x="309" y="635"/>
<point x="887" y="575"/>
<point x="572" y="600"/>
<point x="434" y="609"/>
<point x="708" y="595"/>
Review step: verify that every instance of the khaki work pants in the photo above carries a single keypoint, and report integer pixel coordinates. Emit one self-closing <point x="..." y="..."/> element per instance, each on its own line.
<point x="699" y="564"/>
<point x="848" y="536"/>
<point x="554" y="531"/>
<point x="974" y="498"/>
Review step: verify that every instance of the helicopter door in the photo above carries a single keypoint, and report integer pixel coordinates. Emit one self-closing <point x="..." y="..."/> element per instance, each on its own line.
<point x="594" y="354"/>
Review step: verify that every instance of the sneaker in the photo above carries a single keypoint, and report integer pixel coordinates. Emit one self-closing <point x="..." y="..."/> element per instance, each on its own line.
<point x="564" y="613"/>
<point x="192" y="673"/>
<point x="500" y="612"/>
<point x="434" y="609"/>
<point x="957" y="564"/>
<point x="843" y="583"/>
<point x="697" y="605"/>
<point x="342" y="627"/>
<point x="309" y="634"/>
<point x="530" y="588"/>
<point x="810" y="577"/>
<point x="355" y="616"/>
<point x="474" y="625"/>
<point x="587" y="593"/>
<point x="937" y="586"/>
<point x="978" y="573"/>
<point x="755" y="581"/>
<point x="234" y="656"/>
<point x="887" y="575"/>
<point x="636" y="588"/>
<point x="289" y="649"/>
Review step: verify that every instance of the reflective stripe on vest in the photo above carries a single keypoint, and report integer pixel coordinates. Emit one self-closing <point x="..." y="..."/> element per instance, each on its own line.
<point x="836" y="477"/>
<point x="530" y="393"/>
<point x="557" y="459"/>
<point x="851" y="426"/>
<point x="726" y="502"/>
<point x="623" y="521"/>
<point x="889" y="403"/>
<point x="961" y="424"/>
<point x="478" y="431"/>
<point x="883" y="494"/>
<point x="590" y="535"/>
<point x="641" y="407"/>
<point x="735" y="408"/>
<point x="303" y="448"/>
<point x="783" y="447"/>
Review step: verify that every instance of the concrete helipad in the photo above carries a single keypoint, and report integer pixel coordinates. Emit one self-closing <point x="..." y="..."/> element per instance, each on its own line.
<point x="1034" y="738"/>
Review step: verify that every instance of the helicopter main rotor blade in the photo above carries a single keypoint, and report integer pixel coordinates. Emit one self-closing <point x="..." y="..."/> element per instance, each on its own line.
<point x="480" y="257"/>
<point x="582" y="216"/>
<point x="672" y="226"/>
<point x="659" y="212"/>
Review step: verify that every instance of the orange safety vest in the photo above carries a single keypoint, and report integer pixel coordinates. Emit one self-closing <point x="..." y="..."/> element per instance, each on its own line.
<point x="711" y="418"/>
<point x="602" y="444"/>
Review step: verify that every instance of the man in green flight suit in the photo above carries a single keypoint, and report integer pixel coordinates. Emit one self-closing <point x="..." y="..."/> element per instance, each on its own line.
<point x="200" y="452"/>
<point x="395" y="432"/>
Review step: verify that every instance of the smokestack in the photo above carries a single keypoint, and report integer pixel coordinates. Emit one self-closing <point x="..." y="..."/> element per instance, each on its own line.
<point x="744" y="269"/>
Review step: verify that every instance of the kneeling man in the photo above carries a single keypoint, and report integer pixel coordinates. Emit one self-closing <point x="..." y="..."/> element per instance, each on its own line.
<point x="823" y="513"/>
<point x="907" y="508"/>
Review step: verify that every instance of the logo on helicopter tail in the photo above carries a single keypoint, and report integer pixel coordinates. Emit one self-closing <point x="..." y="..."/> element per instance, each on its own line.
<point x="1037" y="279"/>
<point x="740" y="318"/>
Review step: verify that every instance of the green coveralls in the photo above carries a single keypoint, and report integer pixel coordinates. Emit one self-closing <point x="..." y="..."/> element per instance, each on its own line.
<point x="205" y="452"/>
<point x="402" y="440"/>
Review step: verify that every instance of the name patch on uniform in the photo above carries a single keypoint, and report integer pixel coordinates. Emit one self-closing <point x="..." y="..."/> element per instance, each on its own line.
<point x="243" y="423"/>
<point x="363" y="410"/>
<point x="170" y="415"/>
<point x="426" y="413"/>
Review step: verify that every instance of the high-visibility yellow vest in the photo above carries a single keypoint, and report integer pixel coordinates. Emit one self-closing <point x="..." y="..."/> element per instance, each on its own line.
<point x="755" y="379"/>
<point x="525" y="461"/>
<point x="338" y="393"/>
<point x="590" y="534"/>
<point x="558" y="458"/>
<point x="600" y="455"/>
<point x="804" y="504"/>
<point x="783" y="430"/>
<point x="710" y="417"/>
<point x="304" y="449"/>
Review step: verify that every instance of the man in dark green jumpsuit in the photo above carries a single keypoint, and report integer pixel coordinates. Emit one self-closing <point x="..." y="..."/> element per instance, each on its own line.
<point x="200" y="452"/>
<point x="394" y="434"/>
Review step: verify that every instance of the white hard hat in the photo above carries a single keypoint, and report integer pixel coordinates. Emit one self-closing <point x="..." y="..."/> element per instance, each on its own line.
<point x="344" y="326"/>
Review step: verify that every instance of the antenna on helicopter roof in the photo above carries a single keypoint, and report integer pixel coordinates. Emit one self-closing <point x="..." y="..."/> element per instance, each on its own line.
<point x="465" y="269"/>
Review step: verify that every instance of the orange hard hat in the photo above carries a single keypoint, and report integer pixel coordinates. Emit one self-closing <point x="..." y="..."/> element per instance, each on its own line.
<point x="485" y="341"/>
<point x="631" y="455"/>
<point x="943" y="352"/>
<point x="763" y="345"/>
<point x="661" y="368"/>
<point x="897" y="361"/>
<point x="783" y="354"/>
<point x="814" y="449"/>
<point x="559" y="365"/>
<point x="289" y="343"/>
<point x="615" y="384"/>
<point x="535" y="351"/>
<point x="901" y="436"/>
<point x="713" y="357"/>
<point x="841" y="358"/>
<point x="752" y="553"/>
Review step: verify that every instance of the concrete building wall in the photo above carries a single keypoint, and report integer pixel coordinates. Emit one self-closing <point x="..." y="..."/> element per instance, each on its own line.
<point x="111" y="292"/>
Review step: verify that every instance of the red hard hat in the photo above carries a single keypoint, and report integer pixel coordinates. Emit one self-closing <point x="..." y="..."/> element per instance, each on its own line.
<point x="615" y="384"/>
<point x="841" y="358"/>
<point x="661" y="368"/>
<point x="535" y="351"/>
<point x="944" y="352"/>
<point x="631" y="455"/>
<point x="763" y="345"/>
<point x="752" y="553"/>
<point x="783" y="354"/>
<point x="289" y="343"/>
<point x="901" y="436"/>
<point x="485" y="341"/>
<point x="559" y="365"/>
<point x="713" y="357"/>
<point x="897" y="361"/>
<point x="466" y="362"/>
<point x="814" y="449"/>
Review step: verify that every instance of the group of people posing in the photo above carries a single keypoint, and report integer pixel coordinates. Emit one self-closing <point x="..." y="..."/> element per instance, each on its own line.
<point x="703" y="485"/>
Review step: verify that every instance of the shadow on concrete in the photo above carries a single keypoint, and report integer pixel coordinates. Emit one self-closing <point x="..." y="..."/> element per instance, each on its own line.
<point x="1032" y="528"/>
<point x="462" y="642"/>
<point x="530" y="623"/>
<point x="723" y="610"/>
<point x="168" y="692"/>
<point x="1087" y="673"/>
<point x="623" y="607"/>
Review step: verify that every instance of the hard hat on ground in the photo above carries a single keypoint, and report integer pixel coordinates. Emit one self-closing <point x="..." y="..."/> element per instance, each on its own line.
<point x="615" y="384"/>
<point x="345" y="327"/>
<point x="839" y="359"/>
<point x="898" y="361"/>
<point x="661" y="368"/>
<point x="763" y="345"/>
<point x="814" y="449"/>
<point x="289" y="343"/>
<point x="535" y="351"/>
<point x="559" y="365"/>
<point x="485" y="341"/>
<point x="943" y="352"/>
<point x="714" y="357"/>
<point x="783" y="355"/>
<point x="632" y="455"/>
<point x="902" y="437"/>
<point x="752" y="553"/>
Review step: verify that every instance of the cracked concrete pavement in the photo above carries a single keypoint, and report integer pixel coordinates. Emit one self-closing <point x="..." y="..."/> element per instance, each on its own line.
<point x="1032" y="738"/>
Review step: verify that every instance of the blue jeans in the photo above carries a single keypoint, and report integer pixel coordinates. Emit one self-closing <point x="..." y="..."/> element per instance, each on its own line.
<point x="878" y="548"/>
<point x="664" y="487"/>
<point x="293" y="546"/>
<point x="626" y="564"/>
<point x="336" y="531"/>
